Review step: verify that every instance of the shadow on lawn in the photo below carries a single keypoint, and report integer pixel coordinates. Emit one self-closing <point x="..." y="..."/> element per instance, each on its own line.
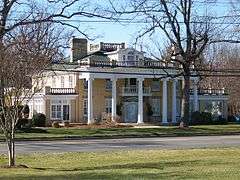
<point x="117" y="171"/>
<point x="106" y="175"/>
<point x="132" y="166"/>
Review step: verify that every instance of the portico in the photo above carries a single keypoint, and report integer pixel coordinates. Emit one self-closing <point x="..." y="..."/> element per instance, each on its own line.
<point x="141" y="91"/>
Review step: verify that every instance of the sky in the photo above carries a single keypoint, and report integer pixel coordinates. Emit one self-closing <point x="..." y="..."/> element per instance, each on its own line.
<point x="123" y="32"/>
<point x="116" y="32"/>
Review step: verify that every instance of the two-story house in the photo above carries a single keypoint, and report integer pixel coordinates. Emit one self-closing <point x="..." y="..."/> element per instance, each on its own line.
<point x="111" y="78"/>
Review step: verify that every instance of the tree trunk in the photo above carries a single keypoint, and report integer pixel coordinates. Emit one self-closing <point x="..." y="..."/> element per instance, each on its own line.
<point x="11" y="150"/>
<point x="186" y="100"/>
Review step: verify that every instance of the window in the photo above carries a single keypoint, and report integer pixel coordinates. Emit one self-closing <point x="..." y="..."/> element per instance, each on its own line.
<point x="156" y="85"/>
<point x="137" y="57"/>
<point x="108" y="84"/>
<point x="156" y="106"/>
<point x="85" y="107"/>
<point x="108" y="105"/>
<point x="133" y="81"/>
<point x="70" y="78"/>
<point x="56" y="112"/>
<point x="130" y="56"/>
<point x="62" y="81"/>
<point x="124" y="57"/>
<point x="60" y="110"/>
<point x="53" y="81"/>
<point x="130" y="82"/>
<point x="85" y="84"/>
<point x="65" y="112"/>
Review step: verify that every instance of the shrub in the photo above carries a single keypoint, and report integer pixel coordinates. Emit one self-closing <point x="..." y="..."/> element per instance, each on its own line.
<point x="231" y="118"/>
<point x="195" y="118"/>
<point x="206" y="118"/>
<point x="203" y="118"/>
<point x="39" y="120"/>
<point x="220" y="120"/>
<point x="55" y="124"/>
<point x="23" y="123"/>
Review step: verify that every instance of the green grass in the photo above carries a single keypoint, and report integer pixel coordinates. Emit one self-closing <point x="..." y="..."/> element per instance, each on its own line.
<point x="148" y="164"/>
<point x="124" y="132"/>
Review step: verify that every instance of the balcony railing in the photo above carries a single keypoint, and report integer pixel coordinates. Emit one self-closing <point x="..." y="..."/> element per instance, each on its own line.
<point x="210" y="92"/>
<point x="61" y="91"/>
<point x="133" y="91"/>
<point x="133" y="64"/>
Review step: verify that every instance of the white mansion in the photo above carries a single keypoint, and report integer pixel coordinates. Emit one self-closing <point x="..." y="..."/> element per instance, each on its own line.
<point x="109" y="78"/>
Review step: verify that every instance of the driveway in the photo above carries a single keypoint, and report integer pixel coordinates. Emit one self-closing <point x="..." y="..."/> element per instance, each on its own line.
<point x="125" y="144"/>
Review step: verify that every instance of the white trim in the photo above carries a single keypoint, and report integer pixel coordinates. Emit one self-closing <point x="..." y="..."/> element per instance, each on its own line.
<point x="64" y="97"/>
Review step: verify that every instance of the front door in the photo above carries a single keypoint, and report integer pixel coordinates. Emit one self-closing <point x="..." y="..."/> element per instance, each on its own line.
<point x="130" y="112"/>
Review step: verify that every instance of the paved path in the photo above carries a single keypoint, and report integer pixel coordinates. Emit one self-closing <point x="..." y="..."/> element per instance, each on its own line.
<point x="126" y="143"/>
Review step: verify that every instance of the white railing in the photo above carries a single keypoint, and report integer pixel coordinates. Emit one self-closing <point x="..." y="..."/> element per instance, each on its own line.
<point x="57" y="91"/>
<point x="133" y="91"/>
<point x="210" y="91"/>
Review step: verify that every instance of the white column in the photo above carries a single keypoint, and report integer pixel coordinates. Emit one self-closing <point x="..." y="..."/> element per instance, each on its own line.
<point x="90" y="102"/>
<point x="164" y="102"/>
<point x="174" y="101"/>
<point x="114" y="98"/>
<point x="195" y="96"/>
<point x="140" y="100"/>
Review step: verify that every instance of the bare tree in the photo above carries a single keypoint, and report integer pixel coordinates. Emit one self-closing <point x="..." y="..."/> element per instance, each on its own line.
<point x="227" y="58"/>
<point x="28" y="43"/>
<point x="184" y="28"/>
<point x="18" y="13"/>
<point x="26" y="55"/>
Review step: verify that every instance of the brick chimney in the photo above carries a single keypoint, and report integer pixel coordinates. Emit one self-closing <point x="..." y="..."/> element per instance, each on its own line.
<point x="78" y="48"/>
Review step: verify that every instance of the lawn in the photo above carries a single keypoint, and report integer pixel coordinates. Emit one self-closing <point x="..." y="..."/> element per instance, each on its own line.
<point x="148" y="164"/>
<point x="127" y="132"/>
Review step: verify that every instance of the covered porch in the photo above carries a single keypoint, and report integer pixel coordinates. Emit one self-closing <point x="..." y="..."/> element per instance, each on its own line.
<point x="135" y="96"/>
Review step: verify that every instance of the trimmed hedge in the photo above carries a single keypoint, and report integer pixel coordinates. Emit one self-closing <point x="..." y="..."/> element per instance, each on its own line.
<point x="39" y="120"/>
<point x="206" y="118"/>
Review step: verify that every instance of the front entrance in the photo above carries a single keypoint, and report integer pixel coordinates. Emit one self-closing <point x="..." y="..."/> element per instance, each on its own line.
<point x="130" y="112"/>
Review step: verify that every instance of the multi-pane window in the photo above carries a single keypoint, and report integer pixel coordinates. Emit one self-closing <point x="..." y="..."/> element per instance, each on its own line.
<point x="108" y="105"/>
<point x="156" y="106"/>
<point x="70" y="80"/>
<point x="60" y="110"/>
<point x="62" y="81"/>
<point x="155" y="85"/>
<point x="56" y="111"/>
<point x="85" y="107"/>
<point x="108" y="84"/>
